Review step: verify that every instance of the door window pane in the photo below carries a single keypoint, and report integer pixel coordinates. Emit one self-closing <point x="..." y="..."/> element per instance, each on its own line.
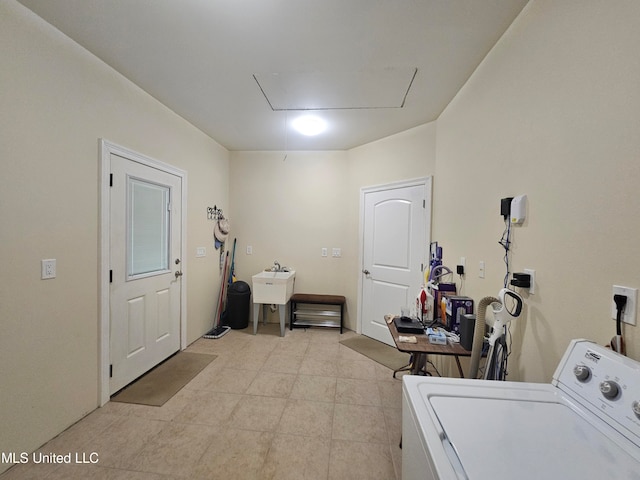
<point x="148" y="228"/>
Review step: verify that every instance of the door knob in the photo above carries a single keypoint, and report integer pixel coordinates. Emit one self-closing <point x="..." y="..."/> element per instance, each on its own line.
<point x="177" y="261"/>
<point x="178" y="274"/>
<point x="366" y="272"/>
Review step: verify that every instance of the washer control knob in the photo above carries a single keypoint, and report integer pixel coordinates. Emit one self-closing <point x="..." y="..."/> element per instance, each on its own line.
<point x="582" y="372"/>
<point x="609" y="389"/>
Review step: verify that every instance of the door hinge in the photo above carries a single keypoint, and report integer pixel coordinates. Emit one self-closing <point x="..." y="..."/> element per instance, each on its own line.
<point x="424" y="203"/>
<point x="111" y="371"/>
<point x="111" y="179"/>
<point x="110" y="276"/>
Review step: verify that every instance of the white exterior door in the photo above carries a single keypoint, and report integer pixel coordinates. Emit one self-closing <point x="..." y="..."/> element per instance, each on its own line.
<point x="396" y="231"/>
<point x="145" y="278"/>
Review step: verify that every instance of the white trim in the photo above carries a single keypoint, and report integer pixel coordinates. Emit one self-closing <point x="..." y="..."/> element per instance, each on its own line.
<point x="427" y="182"/>
<point x="106" y="149"/>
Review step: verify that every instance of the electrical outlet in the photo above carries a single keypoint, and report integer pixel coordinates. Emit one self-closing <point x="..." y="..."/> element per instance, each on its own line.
<point x="249" y="250"/>
<point x="481" y="268"/>
<point x="336" y="252"/>
<point x="324" y="252"/>
<point x="532" y="277"/>
<point x="48" y="268"/>
<point x="201" y="252"/>
<point x="629" y="314"/>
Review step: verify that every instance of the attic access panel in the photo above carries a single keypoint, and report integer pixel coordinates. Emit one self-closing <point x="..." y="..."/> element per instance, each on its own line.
<point x="337" y="90"/>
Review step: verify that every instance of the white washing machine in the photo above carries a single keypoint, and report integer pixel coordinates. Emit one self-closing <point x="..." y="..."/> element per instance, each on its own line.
<point x="584" y="425"/>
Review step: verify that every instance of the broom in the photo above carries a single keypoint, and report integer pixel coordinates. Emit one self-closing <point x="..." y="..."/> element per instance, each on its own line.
<point x="219" y="330"/>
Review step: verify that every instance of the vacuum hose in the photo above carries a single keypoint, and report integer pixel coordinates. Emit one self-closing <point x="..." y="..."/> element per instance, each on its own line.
<point x="478" y="335"/>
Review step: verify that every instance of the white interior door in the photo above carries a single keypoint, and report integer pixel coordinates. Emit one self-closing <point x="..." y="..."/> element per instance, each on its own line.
<point x="396" y="230"/>
<point x="145" y="288"/>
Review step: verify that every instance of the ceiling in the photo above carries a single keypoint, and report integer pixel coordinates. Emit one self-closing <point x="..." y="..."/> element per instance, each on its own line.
<point x="243" y="70"/>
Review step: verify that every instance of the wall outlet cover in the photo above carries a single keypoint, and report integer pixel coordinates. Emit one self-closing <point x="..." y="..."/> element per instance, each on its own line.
<point x="631" y="306"/>
<point x="48" y="268"/>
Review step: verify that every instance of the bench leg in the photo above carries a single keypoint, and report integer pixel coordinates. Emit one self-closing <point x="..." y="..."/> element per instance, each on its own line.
<point x="292" y="307"/>
<point x="281" y="311"/>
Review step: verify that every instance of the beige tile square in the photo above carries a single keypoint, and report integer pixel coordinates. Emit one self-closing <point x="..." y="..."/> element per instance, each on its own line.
<point x="354" y="391"/>
<point x="326" y="367"/>
<point x="118" y="444"/>
<point x="365" y="461"/>
<point x="175" y="450"/>
<point x="257" y="413"/>
<point x="322" y="350"/>
<point x="271" y="384"/>
<point x="359" y="423"/>
<point x="233" y="454"/>
<point x="208" y="408"/>
<point x="325" y="335"/>
<point x="293" y="344"/>
<point x="393" y="420"/>
<point x="363" y="368"/>
<point x="80" y="436"/>
<point x="391" y="393"/>
<point x="304" y="417"/>
<point x="231" y="380"/>
<point x="316" y="388"/>
<point x="246" y="359"/>
<point x="293" y="457"/>
<point x="282" y="362"/>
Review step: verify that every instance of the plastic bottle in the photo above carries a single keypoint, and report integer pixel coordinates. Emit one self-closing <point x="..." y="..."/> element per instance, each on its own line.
<point x="422" y="304"/>
<point x="428" y="307"/>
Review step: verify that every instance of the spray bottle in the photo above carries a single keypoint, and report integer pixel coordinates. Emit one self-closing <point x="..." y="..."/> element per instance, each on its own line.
<point x="424" y="305"/>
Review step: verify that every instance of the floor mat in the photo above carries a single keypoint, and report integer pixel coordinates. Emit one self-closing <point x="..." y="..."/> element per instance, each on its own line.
<point x="162" y="382"/>
<point x="380" y="352"/>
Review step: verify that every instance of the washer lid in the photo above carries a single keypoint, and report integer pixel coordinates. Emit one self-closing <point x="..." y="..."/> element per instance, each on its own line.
<point x="503" y="438"/>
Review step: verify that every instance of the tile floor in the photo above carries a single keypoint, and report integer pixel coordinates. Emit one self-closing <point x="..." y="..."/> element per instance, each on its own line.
<point x="298" y="407"/>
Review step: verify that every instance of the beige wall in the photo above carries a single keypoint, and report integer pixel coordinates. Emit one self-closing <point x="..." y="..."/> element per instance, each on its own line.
<point x="553" y="112"/>
<point x="288" y="210"/>
<point x="57" y="101"/>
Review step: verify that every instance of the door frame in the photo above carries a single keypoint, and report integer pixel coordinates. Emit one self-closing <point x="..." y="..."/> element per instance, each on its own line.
<point x="106" y="149"/>
<point x="427" y="182"/>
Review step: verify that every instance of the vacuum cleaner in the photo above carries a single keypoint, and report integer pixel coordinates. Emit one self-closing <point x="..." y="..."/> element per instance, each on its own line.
<point x="496" y="367"/>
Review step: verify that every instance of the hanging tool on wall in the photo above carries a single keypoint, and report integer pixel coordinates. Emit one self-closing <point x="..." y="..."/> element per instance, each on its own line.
<point x="219" y="330"/>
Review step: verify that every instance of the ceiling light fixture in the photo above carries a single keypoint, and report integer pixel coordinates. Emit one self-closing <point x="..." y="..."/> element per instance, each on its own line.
<point x="309" y="125"/>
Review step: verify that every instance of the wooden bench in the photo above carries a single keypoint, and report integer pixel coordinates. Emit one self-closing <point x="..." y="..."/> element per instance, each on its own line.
<point x="311" y="310"/>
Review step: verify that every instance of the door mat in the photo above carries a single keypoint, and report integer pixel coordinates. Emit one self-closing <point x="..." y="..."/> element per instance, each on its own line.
<point x="382" y="353"/>
<point x="165" y="380"/>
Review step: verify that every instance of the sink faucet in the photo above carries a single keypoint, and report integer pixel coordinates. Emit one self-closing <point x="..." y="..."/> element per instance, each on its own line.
<point x="276" y="266"/>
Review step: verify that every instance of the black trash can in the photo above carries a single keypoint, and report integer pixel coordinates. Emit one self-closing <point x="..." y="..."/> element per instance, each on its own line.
<point x="238" y="303"/>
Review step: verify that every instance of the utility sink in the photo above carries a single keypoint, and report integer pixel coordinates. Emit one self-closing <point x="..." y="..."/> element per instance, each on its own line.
<point x="273" y="287"/>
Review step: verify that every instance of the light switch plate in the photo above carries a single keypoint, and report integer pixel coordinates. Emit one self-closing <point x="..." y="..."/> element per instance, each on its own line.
<point x="532" y="277"/>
